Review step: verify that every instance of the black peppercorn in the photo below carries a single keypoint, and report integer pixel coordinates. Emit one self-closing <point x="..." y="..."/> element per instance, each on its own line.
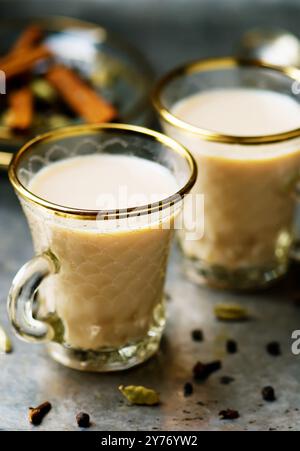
<point x="268" y="394"/>
<point x="83" y="420"/>
<point x="226" y="380"/>
<point x="273" y="349"/>
<point x="232" y="347"/>
<point x="197" y="335"/>
<point x="188" y="389"/>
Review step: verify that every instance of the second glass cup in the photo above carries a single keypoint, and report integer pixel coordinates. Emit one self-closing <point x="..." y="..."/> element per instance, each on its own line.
<point x="248" y="182"/>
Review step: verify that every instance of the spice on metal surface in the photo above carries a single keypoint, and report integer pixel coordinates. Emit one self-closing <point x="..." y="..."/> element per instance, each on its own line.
<point x="36" y="414"/>
<point x="274" y="349"/>
<point x="197" y="335"/>
<point x="83" y="420"/>
<point x="137" y="394"/>
<point x="226" y="380"/>
<point x="268" y="394"/>
<point x="5" y="343"/>
<point x="231" y="347"/>
<point x="188" y="389"/>
<point x="231" y="312"/>
<point x="202" y="371"/>
<point x="229" y="414"/>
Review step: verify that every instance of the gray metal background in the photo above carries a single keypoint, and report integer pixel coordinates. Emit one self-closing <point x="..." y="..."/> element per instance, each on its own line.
<point x="169" y="32"/>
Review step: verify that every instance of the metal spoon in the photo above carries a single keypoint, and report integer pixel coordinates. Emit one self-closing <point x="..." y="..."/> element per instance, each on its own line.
<point x="271" y="45"/>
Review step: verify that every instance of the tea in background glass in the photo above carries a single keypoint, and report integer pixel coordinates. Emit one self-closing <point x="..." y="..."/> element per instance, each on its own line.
<point x="241" y="122"/>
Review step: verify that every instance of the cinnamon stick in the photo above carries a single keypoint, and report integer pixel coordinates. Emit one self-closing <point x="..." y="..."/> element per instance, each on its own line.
<point x="79" y="96"/>
<point x="20" y="113"/>
<point x="21" y="62"/>
<point x="31" y="36"/>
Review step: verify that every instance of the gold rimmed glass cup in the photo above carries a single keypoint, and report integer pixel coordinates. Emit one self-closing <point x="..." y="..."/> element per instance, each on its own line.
<point x="248" y="182"/>
<point x="94" y="291"/>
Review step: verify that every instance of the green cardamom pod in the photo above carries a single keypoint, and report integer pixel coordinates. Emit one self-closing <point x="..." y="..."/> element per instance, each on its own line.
<point x="5" y="343"/>
<point x="137" y="394"/>
<point x="231" y="312"/>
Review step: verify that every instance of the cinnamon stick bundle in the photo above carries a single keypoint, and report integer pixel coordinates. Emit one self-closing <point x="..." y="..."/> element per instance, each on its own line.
<point x="79" y="96"/>
<point x="20" y="113"/>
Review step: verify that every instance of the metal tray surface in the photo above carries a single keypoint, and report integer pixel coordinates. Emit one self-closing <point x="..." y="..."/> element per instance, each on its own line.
<point x="28" y="376"/>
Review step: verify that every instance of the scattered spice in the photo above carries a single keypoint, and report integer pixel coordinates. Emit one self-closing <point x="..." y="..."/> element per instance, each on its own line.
<point x="197" y="335"/>
<point x="193" y="418"/>
<point x="232" y="347"/>
<point x="231" y="312"/>
<point x="5" y="343"/>
<point x="203" y="370"/>
<point x="273" y="349"/>
<point x="140" y="395"/>
<point x="268" y="394"/>
<point x="36" y="414"/>
<point x="188" y="389"/>
<point x="226" y="380"/>
<point x="200" y="403"/>
<point x="229" y="414"/>
<point x="83" y="420"/>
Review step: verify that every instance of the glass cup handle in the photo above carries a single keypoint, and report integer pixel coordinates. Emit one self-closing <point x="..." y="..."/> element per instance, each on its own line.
<point x="21" y="296"/>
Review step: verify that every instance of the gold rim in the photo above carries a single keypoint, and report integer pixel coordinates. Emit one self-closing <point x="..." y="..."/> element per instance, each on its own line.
<point x="216" y="64"/>
<point x="98" y="214"/>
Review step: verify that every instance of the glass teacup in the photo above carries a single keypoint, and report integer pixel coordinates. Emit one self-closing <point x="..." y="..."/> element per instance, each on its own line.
<point x="94" y="291"/>
<point x="248" y="182"/>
